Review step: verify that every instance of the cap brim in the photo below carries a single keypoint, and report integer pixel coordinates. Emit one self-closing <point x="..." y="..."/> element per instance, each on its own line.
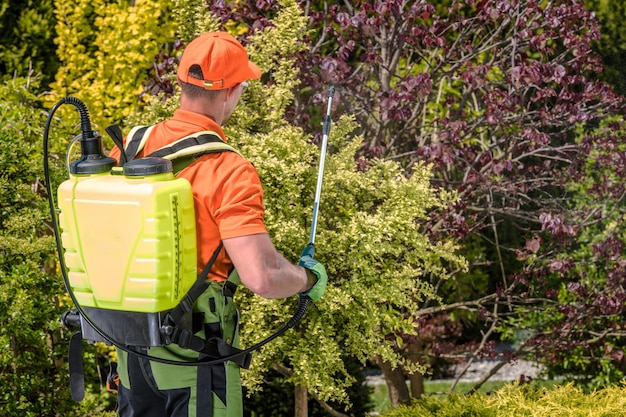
<point x="255" y="72"/>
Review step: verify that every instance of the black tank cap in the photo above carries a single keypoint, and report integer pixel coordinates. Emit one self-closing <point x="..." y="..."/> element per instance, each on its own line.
<point x="147" y="166"/>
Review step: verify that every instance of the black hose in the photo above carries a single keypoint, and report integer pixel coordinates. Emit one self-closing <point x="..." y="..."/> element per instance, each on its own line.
<point x="85" y="122"/>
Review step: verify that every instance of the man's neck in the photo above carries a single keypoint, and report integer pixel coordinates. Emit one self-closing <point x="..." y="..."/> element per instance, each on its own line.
<point x="209" y="110"/>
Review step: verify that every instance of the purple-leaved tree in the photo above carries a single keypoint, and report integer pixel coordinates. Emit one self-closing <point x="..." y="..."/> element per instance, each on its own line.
<point x="497" y="96"/>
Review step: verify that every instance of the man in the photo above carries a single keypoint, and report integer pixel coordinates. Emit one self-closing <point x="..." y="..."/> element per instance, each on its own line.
<point x="213" y="75"/>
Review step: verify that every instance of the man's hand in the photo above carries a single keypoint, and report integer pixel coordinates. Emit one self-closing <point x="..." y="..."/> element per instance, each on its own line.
<point x="307" y="261"/>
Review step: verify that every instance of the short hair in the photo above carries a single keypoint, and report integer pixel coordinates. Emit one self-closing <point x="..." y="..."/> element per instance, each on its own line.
<point x="195" y="91"/>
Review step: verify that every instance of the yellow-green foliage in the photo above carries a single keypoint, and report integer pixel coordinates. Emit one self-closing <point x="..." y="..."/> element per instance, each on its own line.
<point x="75" y="35"/>
<point x="192" y="19"/>
<point x="520" y="401"/>
<point x="368" y="237"/>
<point x="270" y="50"/>
<point x="106" y="50"/>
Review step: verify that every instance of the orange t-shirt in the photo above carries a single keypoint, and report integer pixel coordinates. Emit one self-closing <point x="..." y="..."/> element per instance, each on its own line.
<point x="227" y="192"/>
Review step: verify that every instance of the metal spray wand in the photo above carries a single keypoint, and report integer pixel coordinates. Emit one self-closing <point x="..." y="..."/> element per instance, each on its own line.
<point x="320" y="172"/>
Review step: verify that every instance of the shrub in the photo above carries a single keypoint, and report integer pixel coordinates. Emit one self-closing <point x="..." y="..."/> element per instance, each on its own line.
<point x="521" y="400"/>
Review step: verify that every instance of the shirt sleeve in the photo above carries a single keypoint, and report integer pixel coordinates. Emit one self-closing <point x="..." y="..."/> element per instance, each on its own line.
<point x="115" y="153"/>
<point x="238" y="202"/>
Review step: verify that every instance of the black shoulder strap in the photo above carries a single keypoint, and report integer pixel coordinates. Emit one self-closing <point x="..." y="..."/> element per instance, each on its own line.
<point x="183" y="150"/>
<point x="136" y="141"/>
<point x="198" y="287"/>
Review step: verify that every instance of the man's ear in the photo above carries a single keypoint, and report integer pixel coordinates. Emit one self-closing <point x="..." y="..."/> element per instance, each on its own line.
<point x="231" y="91"/>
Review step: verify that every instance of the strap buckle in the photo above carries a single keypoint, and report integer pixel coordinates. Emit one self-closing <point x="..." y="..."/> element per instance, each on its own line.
<point x="229" y="289"/>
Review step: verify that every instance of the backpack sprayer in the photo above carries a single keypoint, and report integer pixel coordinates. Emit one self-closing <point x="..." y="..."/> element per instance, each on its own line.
<point x="127" y="252"/>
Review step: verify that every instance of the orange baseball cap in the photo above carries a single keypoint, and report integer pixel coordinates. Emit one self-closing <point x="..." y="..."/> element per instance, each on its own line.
<point x="223" y="60"/>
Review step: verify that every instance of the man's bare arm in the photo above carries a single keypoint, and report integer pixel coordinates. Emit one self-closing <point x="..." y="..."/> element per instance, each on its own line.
<point x="265" y="271"/>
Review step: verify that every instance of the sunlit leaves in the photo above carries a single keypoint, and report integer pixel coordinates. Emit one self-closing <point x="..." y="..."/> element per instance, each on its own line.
<point x="107" y="50"/>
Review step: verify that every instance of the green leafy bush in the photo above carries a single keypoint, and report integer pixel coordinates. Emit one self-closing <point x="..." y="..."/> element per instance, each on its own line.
<point x="522" y="400"/>
<point x="32" y="368"/>
<point x="27" y="47"/>
<point x="33" y="365"/>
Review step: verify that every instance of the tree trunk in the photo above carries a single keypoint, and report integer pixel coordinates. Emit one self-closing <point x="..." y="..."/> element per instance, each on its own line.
<point x="301" y="397"/>
<point x="417" y="385"/>
<point x="396" y="383"/>
<point x="417" y="378"/>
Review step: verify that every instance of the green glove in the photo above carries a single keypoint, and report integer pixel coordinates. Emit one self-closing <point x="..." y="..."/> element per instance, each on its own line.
<point x="307" y="261"/>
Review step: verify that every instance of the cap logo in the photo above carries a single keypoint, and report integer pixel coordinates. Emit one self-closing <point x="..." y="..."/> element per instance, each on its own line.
<point x="214" y="84"/>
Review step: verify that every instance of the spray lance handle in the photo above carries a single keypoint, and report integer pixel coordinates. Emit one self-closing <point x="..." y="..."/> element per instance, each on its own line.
<point x="307" y="258"/>
<point x="320" y="172"/>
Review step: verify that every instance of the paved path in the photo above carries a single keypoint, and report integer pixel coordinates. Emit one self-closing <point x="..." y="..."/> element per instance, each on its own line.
<point x="509" y="372"/>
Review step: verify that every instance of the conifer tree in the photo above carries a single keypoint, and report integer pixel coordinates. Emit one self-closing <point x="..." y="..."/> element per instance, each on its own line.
<point x="370" y="233"/>
<point x="107" y="49"/>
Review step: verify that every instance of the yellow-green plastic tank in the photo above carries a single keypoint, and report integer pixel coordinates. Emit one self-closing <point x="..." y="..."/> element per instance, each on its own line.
<point x="129" y="240"/>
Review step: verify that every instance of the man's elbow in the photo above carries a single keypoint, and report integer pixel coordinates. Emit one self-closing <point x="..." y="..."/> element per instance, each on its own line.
<point x="260" y="283"/>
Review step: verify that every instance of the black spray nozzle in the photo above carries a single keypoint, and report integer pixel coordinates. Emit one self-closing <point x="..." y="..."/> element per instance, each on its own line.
<point x="326" y="125"/>
<point x="92" y="161"/>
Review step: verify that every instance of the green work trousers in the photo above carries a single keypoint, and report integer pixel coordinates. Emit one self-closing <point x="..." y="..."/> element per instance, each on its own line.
<point x="154" y="389"/>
